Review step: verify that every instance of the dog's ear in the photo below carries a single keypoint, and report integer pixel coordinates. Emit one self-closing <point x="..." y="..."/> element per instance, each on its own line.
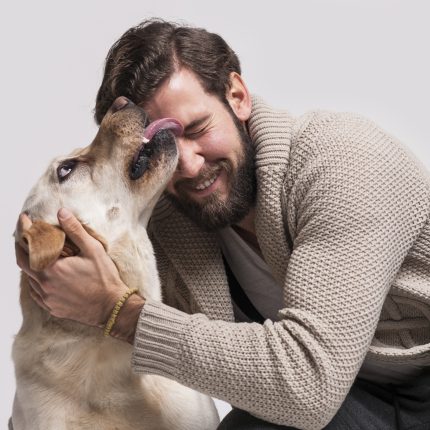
<point x="43" y="242"/>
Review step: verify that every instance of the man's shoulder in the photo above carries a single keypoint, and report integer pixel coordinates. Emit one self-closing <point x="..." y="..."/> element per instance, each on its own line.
<point x="331" y="132"/>
<point x="311" y="124"/>
<point x="329" y="121"/>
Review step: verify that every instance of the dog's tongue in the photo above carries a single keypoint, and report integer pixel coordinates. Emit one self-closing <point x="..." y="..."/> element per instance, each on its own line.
<point x="163" y="124"/>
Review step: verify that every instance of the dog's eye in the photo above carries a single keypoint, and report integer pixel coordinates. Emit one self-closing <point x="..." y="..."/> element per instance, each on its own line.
<point x="65" y="168"/>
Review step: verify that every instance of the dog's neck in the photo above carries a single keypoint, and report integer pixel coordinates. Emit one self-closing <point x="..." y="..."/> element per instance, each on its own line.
<point x="133" y="255"/>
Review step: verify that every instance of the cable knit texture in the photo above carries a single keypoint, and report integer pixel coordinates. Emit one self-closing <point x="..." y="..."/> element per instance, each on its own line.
<point x="342" y="218"/>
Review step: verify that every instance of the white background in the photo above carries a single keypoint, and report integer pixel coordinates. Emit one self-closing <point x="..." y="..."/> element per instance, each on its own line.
<point x="366" y="56"/>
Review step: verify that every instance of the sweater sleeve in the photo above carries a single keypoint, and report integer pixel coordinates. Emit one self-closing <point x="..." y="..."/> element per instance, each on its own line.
<point x="356" y="201"/>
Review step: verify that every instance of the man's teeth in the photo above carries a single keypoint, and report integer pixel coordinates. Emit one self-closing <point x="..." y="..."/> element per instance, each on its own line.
<point x="206" y="184"/>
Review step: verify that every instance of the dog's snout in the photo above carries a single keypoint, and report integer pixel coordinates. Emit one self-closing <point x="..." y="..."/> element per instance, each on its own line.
<point x="120" y="103"/>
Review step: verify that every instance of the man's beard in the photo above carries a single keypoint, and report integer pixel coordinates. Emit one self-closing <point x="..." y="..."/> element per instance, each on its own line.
<point x="212" y="213"/>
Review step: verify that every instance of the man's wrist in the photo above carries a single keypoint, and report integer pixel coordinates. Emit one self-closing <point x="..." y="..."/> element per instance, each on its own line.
<point x="126" y="321"/>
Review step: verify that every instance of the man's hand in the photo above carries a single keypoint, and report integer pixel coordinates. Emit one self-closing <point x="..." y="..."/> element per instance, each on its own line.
<point x="82" y="288"/>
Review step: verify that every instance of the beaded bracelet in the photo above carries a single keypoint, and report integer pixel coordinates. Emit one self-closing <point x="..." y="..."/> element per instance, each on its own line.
<point x="116" y="309"/>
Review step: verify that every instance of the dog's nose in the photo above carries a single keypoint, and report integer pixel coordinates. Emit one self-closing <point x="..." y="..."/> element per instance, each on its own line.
<point x="120" y="103"/>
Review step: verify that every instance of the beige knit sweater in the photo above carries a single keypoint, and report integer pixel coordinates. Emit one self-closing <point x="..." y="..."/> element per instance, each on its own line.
<point x="342" y="221"/>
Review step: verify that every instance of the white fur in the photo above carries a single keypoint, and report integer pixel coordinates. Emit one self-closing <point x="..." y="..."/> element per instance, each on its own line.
<point x="70" y="376"/>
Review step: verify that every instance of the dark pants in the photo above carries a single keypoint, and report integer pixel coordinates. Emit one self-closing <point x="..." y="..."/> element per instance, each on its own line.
<point x="368" y="406"/>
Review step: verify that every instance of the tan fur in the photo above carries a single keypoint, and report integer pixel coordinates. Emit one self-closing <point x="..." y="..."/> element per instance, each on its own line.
<point x="69" y="376"/>
<point x="43" y="242"/>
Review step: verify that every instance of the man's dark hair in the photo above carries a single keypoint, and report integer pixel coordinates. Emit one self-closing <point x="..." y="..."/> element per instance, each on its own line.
<point x="149" y="53"/>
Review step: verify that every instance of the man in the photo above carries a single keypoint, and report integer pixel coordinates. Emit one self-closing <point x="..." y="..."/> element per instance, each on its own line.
<point x="317" y="228"/>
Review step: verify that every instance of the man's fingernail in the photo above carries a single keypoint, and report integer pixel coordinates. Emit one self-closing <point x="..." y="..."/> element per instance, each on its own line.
<point x="64" y="213"/>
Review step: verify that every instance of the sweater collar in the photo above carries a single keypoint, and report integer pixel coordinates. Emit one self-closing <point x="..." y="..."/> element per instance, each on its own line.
<point x="196" y="257"/>
<point x="270" y="131"/>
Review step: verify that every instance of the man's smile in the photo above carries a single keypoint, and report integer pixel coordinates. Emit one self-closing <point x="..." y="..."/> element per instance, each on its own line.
<point x="204" y="186"/>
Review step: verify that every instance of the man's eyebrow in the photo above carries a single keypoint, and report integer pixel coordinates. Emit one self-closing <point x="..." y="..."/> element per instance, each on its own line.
<point x="196" y="123"/>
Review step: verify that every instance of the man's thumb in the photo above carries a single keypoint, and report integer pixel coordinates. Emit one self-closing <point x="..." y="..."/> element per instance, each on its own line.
<point x="74" y="230"/>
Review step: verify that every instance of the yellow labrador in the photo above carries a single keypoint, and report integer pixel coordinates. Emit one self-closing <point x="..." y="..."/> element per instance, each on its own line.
<point x="69" y="376"/>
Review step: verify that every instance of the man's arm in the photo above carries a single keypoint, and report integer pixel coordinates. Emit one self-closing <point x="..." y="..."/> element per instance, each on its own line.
<point x="356" y="202"/>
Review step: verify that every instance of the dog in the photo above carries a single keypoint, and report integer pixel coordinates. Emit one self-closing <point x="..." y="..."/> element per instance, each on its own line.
<point x="70" y="376"/>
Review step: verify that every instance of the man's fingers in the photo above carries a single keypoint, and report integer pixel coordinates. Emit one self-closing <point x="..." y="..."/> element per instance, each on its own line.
<point x="74" y="230"/>
<point x="37" y="298"/>
<point x="35" y="287"/>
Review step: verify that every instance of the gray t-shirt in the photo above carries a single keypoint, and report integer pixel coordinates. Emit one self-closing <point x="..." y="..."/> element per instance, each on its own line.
<point x="253" y="275"/>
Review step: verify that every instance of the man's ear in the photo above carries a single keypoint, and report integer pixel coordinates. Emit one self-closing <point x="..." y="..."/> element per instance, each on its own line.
<point x="42" y="241"/>
<point x="238" y="97"/>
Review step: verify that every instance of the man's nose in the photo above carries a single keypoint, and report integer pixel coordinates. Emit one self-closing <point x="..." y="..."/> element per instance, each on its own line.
<point x="191" y="159"/>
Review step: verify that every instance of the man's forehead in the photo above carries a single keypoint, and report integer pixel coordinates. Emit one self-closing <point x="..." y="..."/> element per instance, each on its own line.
<point x="181" y="97"/>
